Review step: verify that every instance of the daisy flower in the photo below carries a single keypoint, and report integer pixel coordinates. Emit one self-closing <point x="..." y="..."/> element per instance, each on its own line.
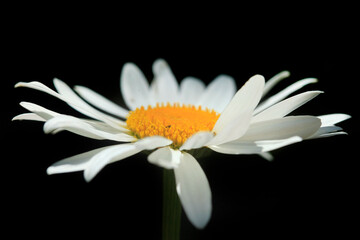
<point x="171" y="119"/>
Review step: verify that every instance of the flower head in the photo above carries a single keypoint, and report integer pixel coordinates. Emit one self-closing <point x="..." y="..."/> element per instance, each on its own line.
<point x="172" y="119"/>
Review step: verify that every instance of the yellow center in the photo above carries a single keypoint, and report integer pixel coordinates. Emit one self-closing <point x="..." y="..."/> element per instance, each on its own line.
<point x="174" y="122"/>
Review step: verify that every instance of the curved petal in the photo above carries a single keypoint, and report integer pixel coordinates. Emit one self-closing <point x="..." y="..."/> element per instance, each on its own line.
<point x="285" y="107"/>
<point x="28" y="116"/>
<point x="275" y="144"/>
<point x="237" y="148"/>
<point x="101" y="102"/>
<point x="74" y="163"/>
<point x="165" y="157"/>
<point x="191" y="90"/>
<point x="47" y="114"/>
<point x="275" y="80"/>
<point x="235" y="119"/>
<point x="197" y="140"/>
<point x="282" y="128"/>
<point x="332" y="119"/>
<point x="165" y="87"/>
<point x="39" y="110"/>
<point x="100" y="160"/>
<point x="80" y="105"/>
<point x="78" y="126"/>
<point x="284" y="93"/>
<point x="218" y="93"/>
<point x="134" y="87"/>
<point x="194" y="191"/>
<point x="119" y="152"/>
<point x="258" y="147"/>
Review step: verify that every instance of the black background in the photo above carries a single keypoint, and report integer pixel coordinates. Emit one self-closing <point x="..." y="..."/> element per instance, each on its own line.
<point x="309" y="189"/>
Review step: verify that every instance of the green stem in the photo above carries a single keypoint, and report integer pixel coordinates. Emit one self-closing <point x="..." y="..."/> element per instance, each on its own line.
<point x="171" y="208"/>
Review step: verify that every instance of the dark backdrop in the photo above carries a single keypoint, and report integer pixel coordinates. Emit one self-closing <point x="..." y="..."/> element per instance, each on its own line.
<point x="309" y="189"/>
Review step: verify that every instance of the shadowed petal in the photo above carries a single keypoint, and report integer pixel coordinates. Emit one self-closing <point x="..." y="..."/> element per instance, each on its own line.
<point x="194" y="191"/>
<point x="134" y="87"/>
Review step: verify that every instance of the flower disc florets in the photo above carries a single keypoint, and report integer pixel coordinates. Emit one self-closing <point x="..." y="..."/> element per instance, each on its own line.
<point x="173" y="121"/>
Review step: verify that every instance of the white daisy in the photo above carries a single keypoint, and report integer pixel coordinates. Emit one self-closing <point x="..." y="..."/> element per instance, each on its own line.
<point x="172" y="119"/>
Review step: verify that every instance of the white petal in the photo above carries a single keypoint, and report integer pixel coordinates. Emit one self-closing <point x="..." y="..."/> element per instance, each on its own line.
<point x="40" y="87"/>
<point x="100" y="160"/>
<point x="324" y="135"/>
<point x="78" y="126"/>
<point x="165" y="87"/>
<point x="282" y="128"/>
<point x="326" y="131"/>
<point x="29" y="116"/>
<point x="267" y="156"/>
<point x="153" y="142"/>
<point x="235" y="119"/>
<point x="73" y="100"/>
<point x="101" y="102"/>
<point x="165" y="157"/>
<point x="74" y="163"/>
<point x="80" y="105"/>
<point x="258" y="147"/>
<point x="275" y="80"/>
<point x="285" y="107"/>
<point x="197" y="140"/>
<point x="47" y="114"/>
<point x="332" y="119"/>
<point x="237" y="148"/>
<point x="191" y="90"/>
<point x="119" y="152"/>
<point x="134" y="87"/>
<point x="194" y="191"/>
<point x="275" y="144"/>
<point x="218" y="93"/>
<point x="284" y="93"/>
<point x="39" y="110"/>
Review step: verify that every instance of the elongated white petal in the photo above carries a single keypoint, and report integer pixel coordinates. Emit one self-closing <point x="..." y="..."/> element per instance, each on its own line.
<point x="332" y="119"/>
<point x="191" y="90"/>
<point x="119" y="152"/>
<point x="197" y="140"/>
<point x="285" y="107"/>
<point x="258" y="147"/>
<point x="325" y="131"/>
<point x="78" y="126"/>
<point x="153" y="142"/>
<point x="235" y="119"/>
<point x="74" y="163"/>
<point x="284" y="93"/>
<point x="40" y="87"/>
<point x="267" y="156"/>
<point x="218" y="93"/>
<point x="275" y="80"/>
<point x="101" y="102"/>
<point x="100" y="160"/>
<point x="47" y="114"/>
<point x="165" y="157"/>
<point x="282" y="128"/>
<point x="165" y="87"/>
<point x="237" y="148"/>
<point x="275" y="144"/>
<point x="29" y="116"/>
<point x="324" y="135"/>
<point x="134" y="86"/>
<point x="74" y="101"/>
<point x="80" y="105"/>
<point x="42" y="112"/>
<point x="194" y="191"/>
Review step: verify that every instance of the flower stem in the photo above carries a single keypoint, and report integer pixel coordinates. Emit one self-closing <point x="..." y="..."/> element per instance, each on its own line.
<point x="171" y="208"/>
